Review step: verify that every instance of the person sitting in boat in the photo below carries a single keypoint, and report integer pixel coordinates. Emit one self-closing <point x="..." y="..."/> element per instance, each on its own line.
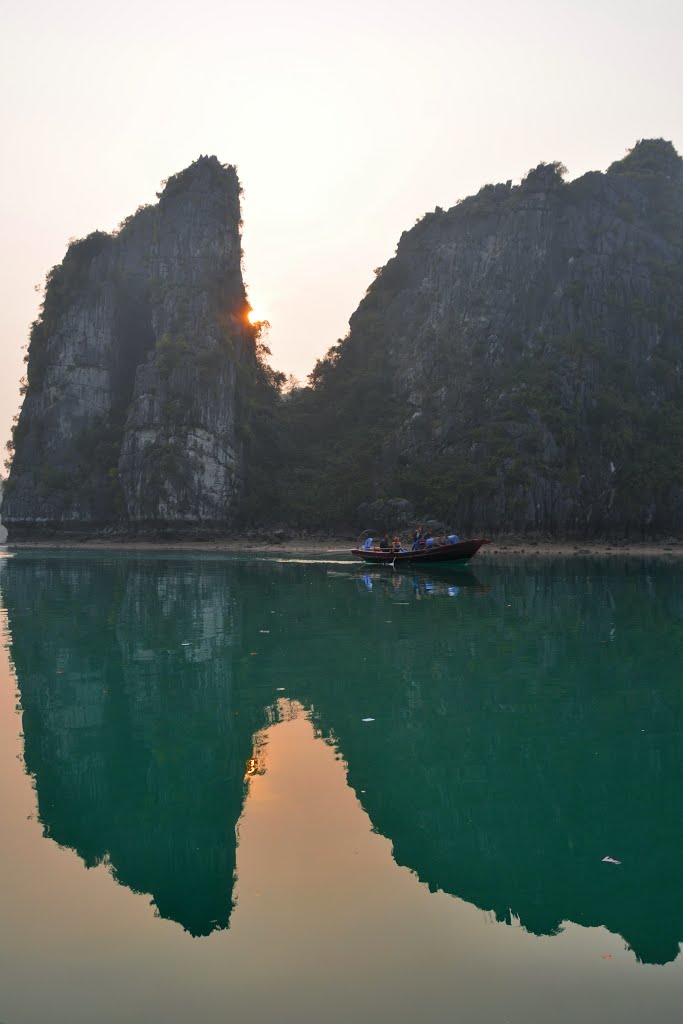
<point x="430" y="541"/>
<point x="384" y="544"/>
<point x="418" y="539"/>
<point x="396" y="545"/>
<point x="367" y="546"/>
<point x="452" y="538"/>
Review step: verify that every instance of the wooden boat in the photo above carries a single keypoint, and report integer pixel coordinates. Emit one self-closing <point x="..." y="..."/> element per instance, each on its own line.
<point x="458" y="552"/>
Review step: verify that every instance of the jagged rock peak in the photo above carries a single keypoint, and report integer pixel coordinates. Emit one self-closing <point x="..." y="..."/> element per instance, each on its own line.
<point x="130" y="412"/>
<point x="650" y="156"/>
<point x="204" y="172"/>
<point x="545" y="176"/>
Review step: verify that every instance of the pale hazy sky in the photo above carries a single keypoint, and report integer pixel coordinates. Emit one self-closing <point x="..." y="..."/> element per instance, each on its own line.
<point x="346" y="123"/>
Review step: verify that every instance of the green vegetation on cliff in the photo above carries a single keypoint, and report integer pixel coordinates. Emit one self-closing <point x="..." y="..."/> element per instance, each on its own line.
<point x="516" y="366"/>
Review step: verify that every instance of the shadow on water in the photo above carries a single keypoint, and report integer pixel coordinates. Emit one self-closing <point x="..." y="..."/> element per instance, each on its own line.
<point x="526" y="723"/>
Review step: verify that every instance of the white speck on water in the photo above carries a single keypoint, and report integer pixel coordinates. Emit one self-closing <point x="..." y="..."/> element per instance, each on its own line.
<point x="185" y="643"/>
<point x="264" y="631"/>
<point x="368" y="719"/>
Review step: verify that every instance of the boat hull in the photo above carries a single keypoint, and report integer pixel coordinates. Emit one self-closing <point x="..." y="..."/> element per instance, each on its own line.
<point x="460" y="552"/>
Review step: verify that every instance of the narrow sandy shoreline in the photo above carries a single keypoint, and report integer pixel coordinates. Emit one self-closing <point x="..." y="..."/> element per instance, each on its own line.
<point x="672" y="549"/>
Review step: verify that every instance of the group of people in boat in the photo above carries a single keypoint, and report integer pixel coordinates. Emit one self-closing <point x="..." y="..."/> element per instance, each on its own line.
<point x="421" y="539"/>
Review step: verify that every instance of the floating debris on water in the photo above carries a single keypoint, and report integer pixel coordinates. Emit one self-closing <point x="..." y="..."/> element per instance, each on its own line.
<point x="368" y="719"/>
<point x="610" y="860"/>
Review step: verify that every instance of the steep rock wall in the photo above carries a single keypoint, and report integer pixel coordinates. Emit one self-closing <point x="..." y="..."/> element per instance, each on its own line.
<point x="518" y="364"/>
<point x="133" y="364"/>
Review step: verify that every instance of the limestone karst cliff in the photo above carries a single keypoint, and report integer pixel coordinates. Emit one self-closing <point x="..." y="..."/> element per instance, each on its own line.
<point x="517" y="366"/>
<point x="130" y="413"/>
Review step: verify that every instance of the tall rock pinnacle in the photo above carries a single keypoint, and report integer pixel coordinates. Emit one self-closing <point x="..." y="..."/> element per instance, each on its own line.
<point x="133" y="366"/>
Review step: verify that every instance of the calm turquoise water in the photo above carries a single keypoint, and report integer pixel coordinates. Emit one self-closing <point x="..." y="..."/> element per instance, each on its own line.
<point x="298" y="789"/>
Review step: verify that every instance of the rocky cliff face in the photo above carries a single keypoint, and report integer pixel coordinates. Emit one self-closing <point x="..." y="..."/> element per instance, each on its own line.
<point x="133" y="369"/>
<point x="518" y="364"/>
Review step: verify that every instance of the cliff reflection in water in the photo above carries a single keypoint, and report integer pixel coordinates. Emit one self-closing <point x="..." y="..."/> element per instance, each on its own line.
<point x="134" y="730"/>
<point x="521" y="732"/>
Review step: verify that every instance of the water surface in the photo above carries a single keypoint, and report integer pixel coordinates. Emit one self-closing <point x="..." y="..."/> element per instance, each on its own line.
<point x="297" y="789"/>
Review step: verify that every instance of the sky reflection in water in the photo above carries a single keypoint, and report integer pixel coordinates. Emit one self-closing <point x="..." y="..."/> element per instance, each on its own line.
<point x="503" y="730"/>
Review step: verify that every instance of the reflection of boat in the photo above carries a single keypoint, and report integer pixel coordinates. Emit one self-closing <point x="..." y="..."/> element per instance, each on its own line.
<point x="449" y="585"/>
<point x="458" y="552"/>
